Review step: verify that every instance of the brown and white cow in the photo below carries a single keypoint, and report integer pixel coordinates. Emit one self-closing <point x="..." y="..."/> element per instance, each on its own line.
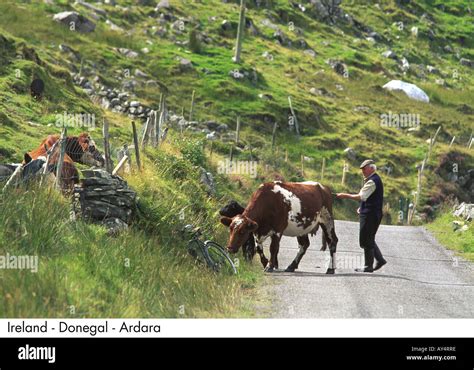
<point x="285" y="208"/>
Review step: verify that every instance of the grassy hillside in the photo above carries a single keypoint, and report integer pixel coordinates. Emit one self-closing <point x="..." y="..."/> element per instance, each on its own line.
<point x="285" y="53"/>
<point x="144" y="272"/>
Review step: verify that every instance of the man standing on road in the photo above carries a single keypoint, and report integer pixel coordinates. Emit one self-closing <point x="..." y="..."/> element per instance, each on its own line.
<point x="370" y="215"/>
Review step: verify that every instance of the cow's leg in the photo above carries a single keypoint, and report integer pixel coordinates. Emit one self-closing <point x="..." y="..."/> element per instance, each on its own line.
<point x="327" y="224"/>
<point x="303" y="242"/>
<point x="263" y="259"/>
<point x="274" y="247"/>
<point x="324" y="241"/>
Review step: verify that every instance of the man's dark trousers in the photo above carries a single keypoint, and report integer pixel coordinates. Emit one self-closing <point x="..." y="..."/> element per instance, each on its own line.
<point x="369" y="224"/>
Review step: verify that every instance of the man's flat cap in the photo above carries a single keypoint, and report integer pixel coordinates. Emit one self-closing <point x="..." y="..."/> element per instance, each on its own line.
<point x="366" y="163"/>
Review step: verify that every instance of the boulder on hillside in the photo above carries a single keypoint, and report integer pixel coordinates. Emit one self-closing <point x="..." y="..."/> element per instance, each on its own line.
<point x="350" y="154"/>
<point x="75" y="21"/>
<point x="464" y="211"/>
<point x="412" y="91"/>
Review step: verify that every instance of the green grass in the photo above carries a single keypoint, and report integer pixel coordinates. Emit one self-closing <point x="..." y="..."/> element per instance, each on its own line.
<point x="461" y="242"/>
<point x="144" y="272"/>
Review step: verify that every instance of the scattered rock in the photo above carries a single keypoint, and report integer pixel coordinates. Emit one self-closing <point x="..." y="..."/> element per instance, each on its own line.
<point x="328" y="11"/>
<point x="466" y="109"/>
<point x="222" y="127"/>
<point x="163" y="4"/>
<point x="338" y="66"/>
<point x="128" y="53"/>
<point x="265" y="96"/>
<point x="350" y="154"/>
<point x="226" y="25"/>
<point x="113" y="26"/>
<point x="390" y="54"/>
<point x="466" y="62"/>
<point x="75" y="21"/>
<point x="404" y="65"/>
<point x="448" y="49"/>
<point x="236" y="74"/>
<point x="212" y="136"/>
<point x="114" y="226"/>
<point x="208" y="180"/>
<point x="140" y="73"/>
<point x="185" y="64"/>
<point x="94" y="8"/>
<point x="464" y="211"/>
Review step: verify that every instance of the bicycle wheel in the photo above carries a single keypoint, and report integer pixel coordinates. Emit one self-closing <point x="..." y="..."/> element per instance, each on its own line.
<point x="197" y="249"/>
<point x="219" y="259"/>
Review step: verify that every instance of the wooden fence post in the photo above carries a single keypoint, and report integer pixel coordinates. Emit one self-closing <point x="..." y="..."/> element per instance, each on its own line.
<point x="275" y="125"/>
<point x="237" y="131"/>
<point x="240" y="32"/>
<point x="161" y="102"/>
<point x="344" y="171"/>
<point x="124" y="152"/>
<point x="323" y="167"/>
<point x="191" y="110"/>
<point x="108" y="159"/>
<point x="418" y="190"/>
<point x="157" y="124"/>
<point x="297" y="126"/>
<point x="145" y="132"/>
<point x="120" y="165"/>
<point x="62" y="152"/>
<point x="469" y="143"/>
<point x="137" y="148"/>
<point x="452" y="141"/>
<point x="14" y="175"/>
<point x="432" y="142"/>
<point x="302" y="165"/>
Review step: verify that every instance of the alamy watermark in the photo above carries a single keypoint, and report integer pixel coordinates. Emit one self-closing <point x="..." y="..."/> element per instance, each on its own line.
<point x="76" y="120"/>
<point x="229" y="167"/>
<point x="12" y="262"/>
<point x="400" y="120"/>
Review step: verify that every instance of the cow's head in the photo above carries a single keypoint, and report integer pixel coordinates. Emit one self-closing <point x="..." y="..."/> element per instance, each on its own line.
<point x="91" y="154"/>
<point x="82" y="149"/>
<point x="240" y="229"/>
<point x="231" y="209"/>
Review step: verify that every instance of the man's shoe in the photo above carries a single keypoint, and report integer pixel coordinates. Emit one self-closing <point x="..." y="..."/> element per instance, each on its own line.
<point x="365" y="269"/>
<point x="378" y="265"/>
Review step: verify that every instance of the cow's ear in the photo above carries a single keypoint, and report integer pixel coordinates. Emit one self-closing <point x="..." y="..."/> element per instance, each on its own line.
<point x="226" y="221"/>
<point x="252" y="225"/>
<point x="27" y="158"/>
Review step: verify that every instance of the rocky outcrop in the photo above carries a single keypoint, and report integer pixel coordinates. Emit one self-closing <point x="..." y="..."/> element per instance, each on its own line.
<point x="464" y="211"/>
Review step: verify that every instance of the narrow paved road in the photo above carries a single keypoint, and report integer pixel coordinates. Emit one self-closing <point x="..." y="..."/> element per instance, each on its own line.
<point x="420" y="280"/>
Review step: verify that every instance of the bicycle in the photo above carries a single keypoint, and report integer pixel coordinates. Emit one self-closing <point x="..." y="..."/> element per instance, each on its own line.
<point x="209" y="252"/>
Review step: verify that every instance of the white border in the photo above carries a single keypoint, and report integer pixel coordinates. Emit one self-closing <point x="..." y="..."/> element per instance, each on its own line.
<point x="201" y="328"/>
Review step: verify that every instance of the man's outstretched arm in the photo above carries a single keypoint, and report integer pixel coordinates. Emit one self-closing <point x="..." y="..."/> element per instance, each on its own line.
<point x="348" y="196"/>
<point x="364" y="193"/>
